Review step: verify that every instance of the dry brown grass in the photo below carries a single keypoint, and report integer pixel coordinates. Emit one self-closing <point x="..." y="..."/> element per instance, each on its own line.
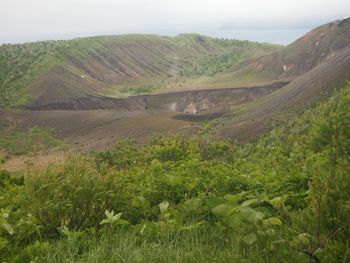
<point x="39" y="161"/>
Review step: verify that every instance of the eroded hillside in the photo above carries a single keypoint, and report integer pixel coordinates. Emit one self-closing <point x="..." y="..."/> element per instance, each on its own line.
<point x="57" y="71"/>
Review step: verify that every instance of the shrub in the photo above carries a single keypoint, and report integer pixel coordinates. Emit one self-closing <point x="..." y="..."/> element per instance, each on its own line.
<point x="75" y="194"/>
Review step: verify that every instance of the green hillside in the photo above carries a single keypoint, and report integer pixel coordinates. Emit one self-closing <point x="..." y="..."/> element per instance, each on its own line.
<point x="56" y="71"/>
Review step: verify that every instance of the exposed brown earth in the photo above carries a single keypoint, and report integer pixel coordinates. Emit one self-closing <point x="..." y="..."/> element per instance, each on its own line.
<point x="97" y="122"/>
<point x="100" y="129"/>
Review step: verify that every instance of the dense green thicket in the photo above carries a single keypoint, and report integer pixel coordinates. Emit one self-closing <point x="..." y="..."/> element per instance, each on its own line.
<point x="283" y="198"/>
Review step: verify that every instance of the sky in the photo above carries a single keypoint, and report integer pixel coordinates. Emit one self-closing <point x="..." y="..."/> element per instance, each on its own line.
<point x="274" y="21"/>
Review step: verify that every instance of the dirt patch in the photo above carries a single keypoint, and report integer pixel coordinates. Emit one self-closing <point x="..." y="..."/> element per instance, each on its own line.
<point x="86" y="130"/>
<point x="40" y="161"/>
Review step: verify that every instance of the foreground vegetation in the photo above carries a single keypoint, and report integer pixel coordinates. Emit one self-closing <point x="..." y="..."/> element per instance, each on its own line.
<point x="282" y="198"/>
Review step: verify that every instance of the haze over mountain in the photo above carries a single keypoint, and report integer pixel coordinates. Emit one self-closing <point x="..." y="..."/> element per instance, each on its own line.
<point x="23" y="21"/>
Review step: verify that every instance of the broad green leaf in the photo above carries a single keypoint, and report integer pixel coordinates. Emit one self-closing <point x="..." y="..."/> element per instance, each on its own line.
<point x="235" y="222"/>
<point x="193" y="203"/>
<point x="215" y="201"/>
<point x="192" y="184"/>
<point x="270" y="232"/>
<point x="272" y="221"/>
<point x="280" y="241"/>
<point x="303" y="239"/>
<point x="277" y="202"/>
<point x="249" y="202"/>
<point x="140" y="202"/>
<point x="250" y="239"/>
<point x="250" y="214"/>
<point x="174" y="180"/>
<point x="222" y="210"/>
<point x="8" y="228"/>
<point x="3" y="243"/>
<point x="105" y="221"/>
<point x="5" y="216"/>
<point x="117" y="216"/>
<point x="121" y="222"/>
<point x="111" y="218"/>
<point x="64" y="230"/>
<point x="164" y="207"/>
<point x="109" y="214"/>
<point x="233" y="198"/>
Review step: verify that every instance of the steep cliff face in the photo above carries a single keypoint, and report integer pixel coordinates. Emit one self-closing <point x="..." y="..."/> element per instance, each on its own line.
<point x="187" y="102"/>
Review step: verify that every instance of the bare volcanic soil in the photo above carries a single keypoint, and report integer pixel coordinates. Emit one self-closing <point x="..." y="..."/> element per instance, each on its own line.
<point x="96" y="123"/>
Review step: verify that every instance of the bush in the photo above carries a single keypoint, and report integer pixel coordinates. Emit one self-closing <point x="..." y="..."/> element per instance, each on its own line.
<point x="75" y="194"/>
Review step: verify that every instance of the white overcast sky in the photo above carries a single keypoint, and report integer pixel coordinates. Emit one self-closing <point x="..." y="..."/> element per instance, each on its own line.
<point x="276" y="21"/>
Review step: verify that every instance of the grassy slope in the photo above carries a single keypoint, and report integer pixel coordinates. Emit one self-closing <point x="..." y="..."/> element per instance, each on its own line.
<point x="53" y="71"/>
<point x="19" y="65"/>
